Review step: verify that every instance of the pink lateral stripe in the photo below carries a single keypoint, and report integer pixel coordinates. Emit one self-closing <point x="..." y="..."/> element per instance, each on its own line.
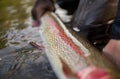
<point x="64" y="36"/>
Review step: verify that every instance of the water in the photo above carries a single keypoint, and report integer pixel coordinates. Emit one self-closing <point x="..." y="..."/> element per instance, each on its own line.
<point x="18" y="59"/>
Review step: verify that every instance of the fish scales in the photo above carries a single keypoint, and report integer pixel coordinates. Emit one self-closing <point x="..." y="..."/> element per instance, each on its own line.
<point x="71" y="48"/>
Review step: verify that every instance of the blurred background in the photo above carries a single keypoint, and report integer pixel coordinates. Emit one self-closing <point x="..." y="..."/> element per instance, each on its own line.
<point x="18" y="59"/>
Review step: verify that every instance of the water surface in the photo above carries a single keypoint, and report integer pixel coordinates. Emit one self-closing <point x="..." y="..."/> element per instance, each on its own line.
<point x="18" y="59"/>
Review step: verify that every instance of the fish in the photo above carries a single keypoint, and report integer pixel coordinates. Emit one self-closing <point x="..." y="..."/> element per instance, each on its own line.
<point x="70" y="53"/>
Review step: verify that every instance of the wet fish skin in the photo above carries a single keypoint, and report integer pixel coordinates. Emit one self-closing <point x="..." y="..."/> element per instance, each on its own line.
<point x="63" y="43"/>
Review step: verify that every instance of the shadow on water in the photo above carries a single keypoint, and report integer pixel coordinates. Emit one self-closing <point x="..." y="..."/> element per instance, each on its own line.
<point x="18" y="59"/>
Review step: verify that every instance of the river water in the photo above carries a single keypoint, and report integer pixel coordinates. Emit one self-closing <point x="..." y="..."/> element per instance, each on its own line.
<point x="18" y="59"/>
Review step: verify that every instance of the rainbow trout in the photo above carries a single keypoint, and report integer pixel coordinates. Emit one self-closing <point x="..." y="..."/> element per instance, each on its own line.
<point x="68" y="51"/>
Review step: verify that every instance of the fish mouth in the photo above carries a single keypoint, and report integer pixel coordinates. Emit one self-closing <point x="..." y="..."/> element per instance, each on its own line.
<point x="36" y="23"/>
